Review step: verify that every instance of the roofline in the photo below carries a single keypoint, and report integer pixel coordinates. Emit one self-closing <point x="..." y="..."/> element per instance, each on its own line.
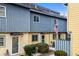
<point x="51" y="15"/>
<point x="18" y="4"/>
<point x="54" y="15"/>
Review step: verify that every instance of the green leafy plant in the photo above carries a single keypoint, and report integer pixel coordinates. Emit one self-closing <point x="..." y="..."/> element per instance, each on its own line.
<point x="29" y="49"/>
<point x="42" y="47"/>
<point x="60" y="53"/>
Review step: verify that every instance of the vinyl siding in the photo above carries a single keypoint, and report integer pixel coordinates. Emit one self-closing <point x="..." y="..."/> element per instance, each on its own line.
<point x="18" y="19"/>
<point x="62" y="25"/>
<point x="43" y="26"/>
<point x="2" y="24"/>
<point x="47" y="24"/>
<point x="73" y="27"/>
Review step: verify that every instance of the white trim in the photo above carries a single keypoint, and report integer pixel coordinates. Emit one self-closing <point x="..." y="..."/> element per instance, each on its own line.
<point x="18" y="46"/>
<point x="40" y="38"/>
<point x="14" y="54"/>
<point x="37" y="16"/>
<point x="5" y="11"/>
<point x="4" y="41"/>
<point x="71" y="48"/>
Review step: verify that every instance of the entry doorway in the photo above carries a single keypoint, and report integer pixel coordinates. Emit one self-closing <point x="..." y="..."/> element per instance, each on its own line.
<point x="14" y="44"/>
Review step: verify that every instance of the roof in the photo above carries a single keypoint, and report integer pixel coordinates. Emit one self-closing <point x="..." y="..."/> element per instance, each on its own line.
<point x="40" y="9"/>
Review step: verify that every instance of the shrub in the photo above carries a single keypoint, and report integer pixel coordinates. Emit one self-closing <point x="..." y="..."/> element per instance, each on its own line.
<point x="29" y="49"/>
<point x="42" y="47"/>
<point x="60" y="53"/>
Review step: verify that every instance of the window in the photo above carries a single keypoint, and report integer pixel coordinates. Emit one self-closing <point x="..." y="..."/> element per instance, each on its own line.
<point x="2" y="11"/>
<point x="36" y="19"/>
<point x="1" y="40"/>
<point x="54" y="36"/>
<point x="34" y="37"/>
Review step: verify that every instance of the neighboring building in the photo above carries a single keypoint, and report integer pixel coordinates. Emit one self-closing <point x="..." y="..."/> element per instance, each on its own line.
<point x="23" y="24"/>
<point x="73" y="27"/>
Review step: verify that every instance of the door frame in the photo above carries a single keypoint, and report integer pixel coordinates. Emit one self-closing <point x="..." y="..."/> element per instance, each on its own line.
<point x="12" y="44"/>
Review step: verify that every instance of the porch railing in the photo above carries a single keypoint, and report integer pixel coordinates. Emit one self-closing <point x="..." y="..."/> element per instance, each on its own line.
<point x="63" y="45"/>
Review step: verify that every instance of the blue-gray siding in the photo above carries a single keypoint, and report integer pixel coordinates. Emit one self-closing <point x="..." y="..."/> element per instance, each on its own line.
<point x="19" y="19"/>
<point x="62" y="25"/>
<point x="47" y="24"/>
<point x="2" y="24"/>
<point x="63" y="45"/>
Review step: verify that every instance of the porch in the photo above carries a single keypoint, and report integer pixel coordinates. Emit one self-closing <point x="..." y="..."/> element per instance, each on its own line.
<point x="64" y="45"/>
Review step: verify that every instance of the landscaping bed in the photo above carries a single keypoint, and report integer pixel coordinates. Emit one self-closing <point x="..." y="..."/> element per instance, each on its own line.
<point x="42" y="48"/>
<point x="51" y="52"/>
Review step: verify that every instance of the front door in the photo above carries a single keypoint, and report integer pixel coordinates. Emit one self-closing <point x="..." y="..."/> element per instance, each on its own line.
<point x="14" y="44"/>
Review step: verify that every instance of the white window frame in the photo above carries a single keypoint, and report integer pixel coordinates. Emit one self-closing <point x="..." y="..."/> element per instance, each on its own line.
<point x="4" y="41"/>
<point x="5" y="10"/>
<point x="37" y="16"/>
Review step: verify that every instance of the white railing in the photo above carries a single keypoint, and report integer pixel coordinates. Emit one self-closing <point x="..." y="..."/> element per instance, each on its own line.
<point x="63" y="45"/>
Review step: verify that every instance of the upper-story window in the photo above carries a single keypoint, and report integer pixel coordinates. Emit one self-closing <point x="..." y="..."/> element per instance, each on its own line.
<point x="2" y="11"/>
<point x="36" y="19"/>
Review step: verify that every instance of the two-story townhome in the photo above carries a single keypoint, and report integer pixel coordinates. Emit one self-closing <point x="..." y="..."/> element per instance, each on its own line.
<point x="23" y="24"/>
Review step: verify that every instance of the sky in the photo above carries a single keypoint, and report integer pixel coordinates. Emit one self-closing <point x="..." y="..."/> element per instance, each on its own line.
<point x="59" y="7"/>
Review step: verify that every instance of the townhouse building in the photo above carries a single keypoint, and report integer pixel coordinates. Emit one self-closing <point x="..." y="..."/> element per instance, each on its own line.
<point x="25" y="23"/>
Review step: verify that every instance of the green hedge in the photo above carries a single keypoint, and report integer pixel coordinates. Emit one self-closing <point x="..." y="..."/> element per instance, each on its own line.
<point x="42" y="47"/>
<point x="29" y="49"/>
<point x="60" y="53"/>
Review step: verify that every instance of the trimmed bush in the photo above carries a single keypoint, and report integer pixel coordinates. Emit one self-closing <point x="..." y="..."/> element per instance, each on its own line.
<point x="29" y="49"/>
<point x="60" y="53"/>
<point x="42" y="47"/>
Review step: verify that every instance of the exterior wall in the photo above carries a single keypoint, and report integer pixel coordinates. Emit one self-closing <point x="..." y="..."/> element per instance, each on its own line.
<point x="46" y="24"/>
<point x="3" y="24"/>
<point x="8" y="44"/>
<point x="24" y="39"/>
<point x="30" y="38"/>
<point x="49" y="38"/>
<point x="62" y="25"/>
<point x="73" y="27"/>
<point x="17" y="19"/>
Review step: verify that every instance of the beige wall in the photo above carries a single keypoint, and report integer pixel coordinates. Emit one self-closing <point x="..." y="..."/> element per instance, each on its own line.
<point x="49" y="38"/>
<point x="24" y="39"/>
<point x="7" y="44"/>
<point x="30" y="38"/>
<point x="73" y="26"/>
